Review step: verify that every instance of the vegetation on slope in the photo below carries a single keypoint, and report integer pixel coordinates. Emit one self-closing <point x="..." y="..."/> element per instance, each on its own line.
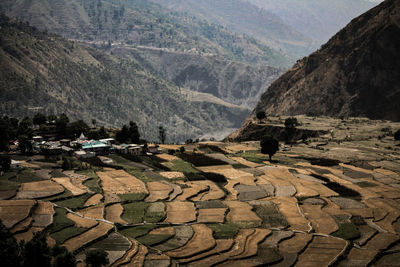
<point x="46" y="72"/>
<point x="141" y="23"/>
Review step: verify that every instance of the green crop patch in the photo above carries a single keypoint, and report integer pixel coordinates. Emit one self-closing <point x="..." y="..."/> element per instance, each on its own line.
<point x="132" y="197"/>
<point x="134" y="212"/>
<point x="74" y="202"/>
<point x="224" y="231"/>
<point x="347" y="231"/>
<point x="152" y="240"/>
<point x="137" y="231"/>
<point x="60" y="220"/>
<point x="63" y="235"/>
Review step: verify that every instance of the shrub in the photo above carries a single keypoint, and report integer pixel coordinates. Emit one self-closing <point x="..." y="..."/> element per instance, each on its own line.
<point x="96" y="258"/>
<point x="397" y="135"/>
<point x="291" y="122"/>
<point x="261" y="115"/>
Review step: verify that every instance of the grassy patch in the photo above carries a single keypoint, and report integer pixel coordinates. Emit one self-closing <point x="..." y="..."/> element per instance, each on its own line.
<point x="138" y="212"/>
<point x="347" y="231"/>
<point x="6" y="184"/>
<point x="63" y="235"/>
<point x="270" y="215"/>
<point x="74" y="202"/>
<point x="180" y="166"/>
<point x="137" y="231"/>
<point x="57" y="173"/>
<point x="239" y="166"/>
<point x="93" y="185"/>
<point x="119" y="160"/>
<point x="138" y="174"/>
<point x="366" y="184"/>
<point x="200" y="160"/>
<point x="65" y="194"/>
<point x="252" y="156"/>
<point x="153" y="217"/>
<point x="134" y="212"/>
<point x="224" y="231"/>
<point x="60" y="220"/>
<point x="132" y="197"/>
<point x="152" y="240"/>
<point x="25" y="176"/>
<point x="91" y="173"/>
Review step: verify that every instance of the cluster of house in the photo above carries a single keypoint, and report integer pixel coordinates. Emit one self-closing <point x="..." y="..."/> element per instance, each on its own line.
<point x="84" y="148"/>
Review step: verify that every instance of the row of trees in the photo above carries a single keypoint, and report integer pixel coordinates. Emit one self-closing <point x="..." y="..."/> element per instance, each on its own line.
<point x="130" y="134"/>
<point x="22" y="130"/>
<point x="14" y="129"/>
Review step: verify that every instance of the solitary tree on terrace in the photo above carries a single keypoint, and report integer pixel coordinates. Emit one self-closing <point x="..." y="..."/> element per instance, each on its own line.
<point x="269" y="145"/>
<point x="162" y="135"/>
<point x="261" y="115"/>
<point x="397" y="135"/>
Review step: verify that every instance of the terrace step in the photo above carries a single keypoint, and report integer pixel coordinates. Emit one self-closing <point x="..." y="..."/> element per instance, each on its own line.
<point x="322" y="251"/>
<point x="201" y="241"/>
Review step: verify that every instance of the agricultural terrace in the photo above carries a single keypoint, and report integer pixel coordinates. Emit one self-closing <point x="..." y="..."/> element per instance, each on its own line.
<point x="330" y="200"/>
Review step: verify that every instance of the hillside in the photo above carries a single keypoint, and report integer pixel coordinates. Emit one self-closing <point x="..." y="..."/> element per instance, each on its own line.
<point x="355" y="74"/>
<point x="231" y="81"/>
<point x="319" y="19"/>
<point x="140" y="23"/>
<point x="244" y="17"/>
<point x="50" y="74"/>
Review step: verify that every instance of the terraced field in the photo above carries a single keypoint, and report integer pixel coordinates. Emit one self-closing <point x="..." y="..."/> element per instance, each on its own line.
<point x="330" y="201"/>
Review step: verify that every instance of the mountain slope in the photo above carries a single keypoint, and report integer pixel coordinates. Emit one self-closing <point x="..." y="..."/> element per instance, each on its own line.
<point x="357" y="73"/>
<point x="244" y="17"/>
<point x="319" y="19"/>
<point x="233" y="82"/>
<point x="142" y="23"/>
<point x="50" y="74"/>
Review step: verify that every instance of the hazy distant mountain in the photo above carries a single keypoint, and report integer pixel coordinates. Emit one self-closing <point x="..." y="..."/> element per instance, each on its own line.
<point x="319" y="19"/>
<point x="140" y="23"/>
<point x="244" y="17"/>
<point x="357" y="73"/>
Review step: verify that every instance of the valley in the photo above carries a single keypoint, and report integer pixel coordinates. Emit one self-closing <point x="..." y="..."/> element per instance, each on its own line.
<point x="214" y="203"/>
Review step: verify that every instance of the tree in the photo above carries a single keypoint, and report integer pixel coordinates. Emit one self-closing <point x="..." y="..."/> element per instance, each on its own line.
<point x="36" y="252"/>
<point x="103" y="133"/>
<point x="10" y="252"/>
<point x="5" y="134"/>
<point x="77" y="127"/>
<point x="397" y="135"/>
<point x="261" y="115"/>
<point x="122" y="135"/>
<point x="62" y="257"/>
<point x="25" y="127"/>
<point x="96" y="258"/>
<point x="5" y="162"/>
<point x="61" y="125"/>
<point x="162" y="135"/>
<point x="269" y="145"/>
<point x="182" y="149"/>
<point x="291" y="122"/>
<point x="24" y="144"/>
<point x="39" y="119"/>
<point x="290" y="128"/>
<point x="51" y="118"/>
<point x="133" y="132"/>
